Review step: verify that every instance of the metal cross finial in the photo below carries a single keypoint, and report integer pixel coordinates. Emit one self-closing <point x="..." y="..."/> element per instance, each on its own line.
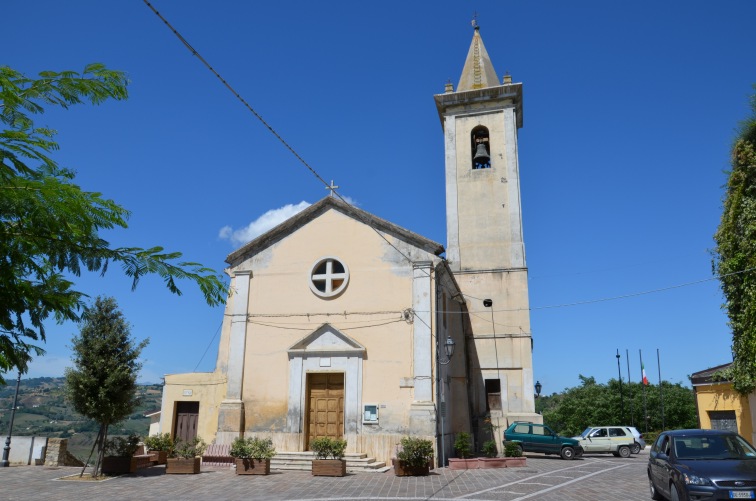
<point x="332" y="187"/>
<point x="474" y="21"/>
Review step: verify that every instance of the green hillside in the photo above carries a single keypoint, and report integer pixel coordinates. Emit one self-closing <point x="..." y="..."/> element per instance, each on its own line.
<point x="44" y="411"/>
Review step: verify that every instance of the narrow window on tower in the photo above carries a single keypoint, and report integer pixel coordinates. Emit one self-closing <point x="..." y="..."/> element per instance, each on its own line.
<point x="481" y="150"/>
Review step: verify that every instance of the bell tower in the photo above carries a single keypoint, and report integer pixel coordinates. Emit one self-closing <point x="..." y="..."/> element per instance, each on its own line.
<point x="485" y="248"/>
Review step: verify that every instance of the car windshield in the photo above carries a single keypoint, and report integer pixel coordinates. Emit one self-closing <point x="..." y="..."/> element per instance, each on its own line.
<point x="713" y="447"/>
<point x="586" y="432"/>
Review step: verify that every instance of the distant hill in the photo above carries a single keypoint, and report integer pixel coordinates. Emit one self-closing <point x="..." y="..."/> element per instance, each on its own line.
<point x="44" y="411"/>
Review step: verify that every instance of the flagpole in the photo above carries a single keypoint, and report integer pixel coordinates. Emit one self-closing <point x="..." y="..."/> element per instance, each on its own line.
<point x="629" y="388"/>
<point x="643" y="383"/>
<point x="661" y="396"/>
<point x="622" y="398"/>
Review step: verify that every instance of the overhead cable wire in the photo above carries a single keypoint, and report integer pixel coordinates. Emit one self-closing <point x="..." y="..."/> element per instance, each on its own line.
<point x="262" y="120"/>
<point x="236" y="94"/>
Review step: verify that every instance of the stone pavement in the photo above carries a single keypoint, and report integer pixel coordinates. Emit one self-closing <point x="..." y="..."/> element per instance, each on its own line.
<point x="592" y="478"/>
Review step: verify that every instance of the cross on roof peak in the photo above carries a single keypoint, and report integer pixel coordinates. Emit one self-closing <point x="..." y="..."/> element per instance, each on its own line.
<point x="331" y="187"/>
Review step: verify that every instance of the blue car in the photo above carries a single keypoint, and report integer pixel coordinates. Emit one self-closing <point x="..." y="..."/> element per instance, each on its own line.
<point x="702" y="464"/>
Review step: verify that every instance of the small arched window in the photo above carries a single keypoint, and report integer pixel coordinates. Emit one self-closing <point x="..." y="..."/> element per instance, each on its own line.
<point x="480" y="147"/>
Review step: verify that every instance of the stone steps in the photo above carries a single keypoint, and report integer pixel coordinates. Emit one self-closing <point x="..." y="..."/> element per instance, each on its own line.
<point x="356" y="462"/>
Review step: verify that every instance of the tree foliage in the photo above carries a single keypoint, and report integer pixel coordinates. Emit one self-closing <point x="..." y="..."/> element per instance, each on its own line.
<point x="594" y="404"/>
<point x="735" y="255"/>
<point x="50" y="227"/>
<point x="102" y="386"/>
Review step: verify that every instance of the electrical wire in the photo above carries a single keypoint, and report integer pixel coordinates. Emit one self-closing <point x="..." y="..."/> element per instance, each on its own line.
<point x="208" y="346"/>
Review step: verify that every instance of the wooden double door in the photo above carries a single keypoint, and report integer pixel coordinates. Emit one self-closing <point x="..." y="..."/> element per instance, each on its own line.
<point x="187" y="415"/>
<point x="325" y="406"/>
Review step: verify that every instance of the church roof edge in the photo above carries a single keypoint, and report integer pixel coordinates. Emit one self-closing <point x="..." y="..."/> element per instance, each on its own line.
<point x="298" y="220"/>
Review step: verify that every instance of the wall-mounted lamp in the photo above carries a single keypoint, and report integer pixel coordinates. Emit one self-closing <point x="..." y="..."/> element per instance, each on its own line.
<point x="449" y="346"/>
<point x="538" y="387"/>
<point x="487" y="303"/>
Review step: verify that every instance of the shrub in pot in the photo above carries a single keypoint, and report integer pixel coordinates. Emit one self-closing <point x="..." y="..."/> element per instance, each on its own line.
<point x="489" y="449"/>
<point x="413" y="457"/>
<point x="119" y="455"/>
<point x="185" y="456"/>
<point x="463" y="446"/>
<point x="252" y="455"/>
<point x="329" y="454"/>
<point x="159" y="445"/>
<point x="513" y="453"/>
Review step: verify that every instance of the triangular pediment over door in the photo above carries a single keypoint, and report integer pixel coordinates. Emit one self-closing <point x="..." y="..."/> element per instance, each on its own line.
<point x="325" y="350"/>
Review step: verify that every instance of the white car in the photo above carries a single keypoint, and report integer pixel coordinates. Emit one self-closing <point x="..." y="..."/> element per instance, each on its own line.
<point x="617" y="440"/>
<point x="640" y="444"/>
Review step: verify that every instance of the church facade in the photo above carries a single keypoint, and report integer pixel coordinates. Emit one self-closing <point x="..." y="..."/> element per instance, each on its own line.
<point x="342" y="324"/>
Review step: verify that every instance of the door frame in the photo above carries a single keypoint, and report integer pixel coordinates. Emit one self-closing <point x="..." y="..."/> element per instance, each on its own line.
<point x="325" y="350"/>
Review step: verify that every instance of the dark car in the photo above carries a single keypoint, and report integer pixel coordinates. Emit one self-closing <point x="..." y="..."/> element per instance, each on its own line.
<point x="533" y="437"/>
<point x="702" y="464"/>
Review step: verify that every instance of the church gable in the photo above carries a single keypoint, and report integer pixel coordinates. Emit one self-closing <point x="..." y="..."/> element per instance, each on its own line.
<point x="315" y="211"/>
<point x="326" y="340"/>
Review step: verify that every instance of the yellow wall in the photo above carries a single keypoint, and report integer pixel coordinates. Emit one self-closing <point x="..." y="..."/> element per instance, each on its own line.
<point x="207" y="388"/>
<point x="721" y="397"/>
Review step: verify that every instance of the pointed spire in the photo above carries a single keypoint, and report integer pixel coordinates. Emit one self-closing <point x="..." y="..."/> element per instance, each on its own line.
<point x="478" y="72"/>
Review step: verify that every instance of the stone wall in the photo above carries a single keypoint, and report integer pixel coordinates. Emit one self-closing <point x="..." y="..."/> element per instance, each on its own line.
<point x="58" y="455"/>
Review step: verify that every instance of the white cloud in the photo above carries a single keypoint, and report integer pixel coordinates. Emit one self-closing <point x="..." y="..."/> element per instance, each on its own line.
<point x="262" y="224"/>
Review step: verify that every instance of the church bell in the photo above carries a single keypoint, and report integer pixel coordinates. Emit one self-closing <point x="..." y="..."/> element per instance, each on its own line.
<point x="481" y="154"/>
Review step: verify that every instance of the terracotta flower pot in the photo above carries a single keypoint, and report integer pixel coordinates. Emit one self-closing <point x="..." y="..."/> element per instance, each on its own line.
<point x="516" y="462"/>
<point x="248" y="466"/>
<point x="463" y="464"/>
<point x="485" y="463"/>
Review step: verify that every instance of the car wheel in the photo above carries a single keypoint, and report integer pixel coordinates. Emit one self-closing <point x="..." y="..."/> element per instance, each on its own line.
<point x="674" y="495"/>
<point x="654" y="493"/>
<point x="635" y="448"/>
<point x="519" y="450"/>
<point x="567" y="453"/>
<point x="624" y="451"/>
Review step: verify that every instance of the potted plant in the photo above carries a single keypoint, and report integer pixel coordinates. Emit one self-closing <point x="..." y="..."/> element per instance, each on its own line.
<point x="329" y="454"/>
<point x="463" y="446"/>
<point x="119" y="455"/>
<point x="159" y="445"/>
<point x="185" y="456"/>
<point x="513" y="453"/>
<point x="252" y="455"/>
<point x="413" y="457"/>
<point x="491" y="459"/>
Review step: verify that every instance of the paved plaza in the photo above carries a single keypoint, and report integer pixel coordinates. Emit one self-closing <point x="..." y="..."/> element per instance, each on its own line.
<point x="592" y="478"/>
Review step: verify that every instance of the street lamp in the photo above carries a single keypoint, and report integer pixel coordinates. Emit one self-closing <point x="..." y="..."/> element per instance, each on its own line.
<point x="6" y="449"/>
<point x="538" y="388"/>
<point x="449" y="346"/>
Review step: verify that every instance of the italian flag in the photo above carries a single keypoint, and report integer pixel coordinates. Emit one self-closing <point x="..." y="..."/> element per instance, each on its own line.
<point x="645" y="378"/>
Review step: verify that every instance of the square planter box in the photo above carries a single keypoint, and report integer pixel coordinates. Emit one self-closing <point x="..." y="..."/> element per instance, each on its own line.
<point x="181" y="465"/>
<point x="516" y="462"/>
<point x="402" y="470"/>
<point x="117" y="465"/>
<point x="484" y="463"/>
<point x="329" y="467"/>
<point x="253" y="466"/>
<point x="464" y="464"/>
<point x="159" y="457"/>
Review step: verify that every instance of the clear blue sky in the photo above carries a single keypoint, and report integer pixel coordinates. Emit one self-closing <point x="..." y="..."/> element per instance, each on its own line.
<point x="629" y="113"/>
